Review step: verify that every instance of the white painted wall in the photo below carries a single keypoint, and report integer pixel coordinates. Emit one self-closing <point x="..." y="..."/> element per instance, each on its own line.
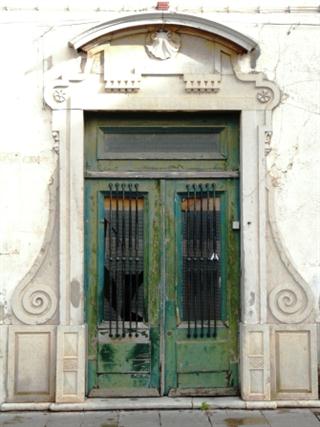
<point x="34" y="41"/>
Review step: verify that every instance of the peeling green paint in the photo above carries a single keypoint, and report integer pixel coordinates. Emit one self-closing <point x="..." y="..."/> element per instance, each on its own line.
<point x="200" y="363"/>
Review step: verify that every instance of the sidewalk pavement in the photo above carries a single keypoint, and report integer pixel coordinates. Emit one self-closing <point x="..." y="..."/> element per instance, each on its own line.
<point x="173" y="418"/>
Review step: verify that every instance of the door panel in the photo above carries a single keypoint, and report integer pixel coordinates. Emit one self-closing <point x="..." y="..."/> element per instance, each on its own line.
<point x="162" y="260"/>
<point x="122" y="286"/>
<point x="201" y="290"/>
<point x="159" y="265"/>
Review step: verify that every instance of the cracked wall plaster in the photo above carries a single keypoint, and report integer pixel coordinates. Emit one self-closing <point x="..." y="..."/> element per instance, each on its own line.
<point x="288" y="55"/>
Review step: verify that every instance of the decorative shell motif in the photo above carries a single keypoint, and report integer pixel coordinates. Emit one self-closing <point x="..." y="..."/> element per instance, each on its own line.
<point x="163" y="44"/>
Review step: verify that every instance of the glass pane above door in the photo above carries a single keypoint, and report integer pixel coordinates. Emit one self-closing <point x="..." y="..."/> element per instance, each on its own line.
<point x="162" y="142"/>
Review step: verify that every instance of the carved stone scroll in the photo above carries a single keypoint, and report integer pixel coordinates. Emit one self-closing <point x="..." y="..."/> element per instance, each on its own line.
<point x="34" y="302"/>
<point x="291" y="302"/>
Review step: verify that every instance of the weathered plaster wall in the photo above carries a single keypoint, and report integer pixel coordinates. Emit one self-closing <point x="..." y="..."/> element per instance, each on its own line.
<point x="35" y="44"/>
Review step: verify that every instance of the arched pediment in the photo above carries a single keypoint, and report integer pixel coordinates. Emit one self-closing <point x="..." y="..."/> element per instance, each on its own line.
<point x="161" y="60"/>
<point x="92" y="36"/>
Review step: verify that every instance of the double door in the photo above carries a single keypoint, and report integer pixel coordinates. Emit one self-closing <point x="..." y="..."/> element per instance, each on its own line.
<point x="162" y="286"/>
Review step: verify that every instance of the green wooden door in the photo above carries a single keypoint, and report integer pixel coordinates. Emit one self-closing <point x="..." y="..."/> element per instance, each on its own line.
<point x="201" y="288"/>
<point x="167" y="252"/>
<point x="162" y="261"/>
<point x="123" y="275"/>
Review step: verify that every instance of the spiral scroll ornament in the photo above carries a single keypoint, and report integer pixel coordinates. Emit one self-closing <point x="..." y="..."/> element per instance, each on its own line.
<point x="33" y="301"/>
<point x="37" y="305"/>
<point x="289" y="305"/>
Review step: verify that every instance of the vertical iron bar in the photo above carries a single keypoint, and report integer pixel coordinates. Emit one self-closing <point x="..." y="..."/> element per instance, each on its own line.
<point x="136" y="255"/>
<point x="130" y="258"/>
<point x="201" y="290"/>
<point x="214" y="275"/>
<point x="117" y="257"/>
<point x="123" y="248"/>
<point x="188" y="263"/>
<point x="208" y="262"/>
<point x="110" y="264"/>
<point x="194" y="285"/>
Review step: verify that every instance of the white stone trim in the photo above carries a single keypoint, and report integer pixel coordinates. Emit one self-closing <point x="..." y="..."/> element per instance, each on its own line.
<point x="70" y="214"/>
<point x="113" y="404"/>
<point x="71" y="363"/>
<point x="292" y="301"/>
<point x="255" y="362"/>
<point x="141" y="19"/>
<point x="294" y="362"/>
<point x="34" y="301"/>
<point x="31" y="363"/>
<point x="3" y="360"/>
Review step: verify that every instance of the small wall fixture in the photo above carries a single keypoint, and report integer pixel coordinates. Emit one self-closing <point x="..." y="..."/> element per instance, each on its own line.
<point x="162" y="5"/>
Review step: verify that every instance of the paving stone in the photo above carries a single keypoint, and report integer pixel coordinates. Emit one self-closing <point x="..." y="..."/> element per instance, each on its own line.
<point x="23" y="419"/>
<point x="217" y="415"/>
<point x="65" y="419"/>
<point x="291" y="418"/>
<point x="139" y="419"/>
<point x="101" y="419"/>
<point x="164" y="418"/>
<point x="235" y="418"/>
<point x="184" y="419"/>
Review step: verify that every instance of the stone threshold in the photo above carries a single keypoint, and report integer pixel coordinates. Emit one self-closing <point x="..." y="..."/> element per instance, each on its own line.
<point x="159" y="403"/>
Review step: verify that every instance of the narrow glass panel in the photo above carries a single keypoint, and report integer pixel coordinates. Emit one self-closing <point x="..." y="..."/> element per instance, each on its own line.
<point x="201" y="248"/>
<point x="159" y="142"/>
<point x="124" y="259"/>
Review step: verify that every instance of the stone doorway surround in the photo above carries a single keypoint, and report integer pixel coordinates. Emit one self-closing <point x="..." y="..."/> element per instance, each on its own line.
<point x="161" y="62"/>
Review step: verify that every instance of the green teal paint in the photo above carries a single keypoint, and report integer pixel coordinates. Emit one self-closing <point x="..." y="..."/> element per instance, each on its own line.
<point x="185" y="363"/>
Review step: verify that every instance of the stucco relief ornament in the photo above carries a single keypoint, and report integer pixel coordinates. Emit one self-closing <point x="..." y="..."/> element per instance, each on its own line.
<point x="264" y="96"/>
<point x="56" y="140"/>
<point x="59" y="95"/>
<point x="163" y="44"/>
<point x="289" y="305"/>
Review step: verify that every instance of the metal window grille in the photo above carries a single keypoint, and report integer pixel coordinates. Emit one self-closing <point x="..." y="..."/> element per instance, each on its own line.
<point x="201" y="260"/>
<point x="124" y="259"/>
